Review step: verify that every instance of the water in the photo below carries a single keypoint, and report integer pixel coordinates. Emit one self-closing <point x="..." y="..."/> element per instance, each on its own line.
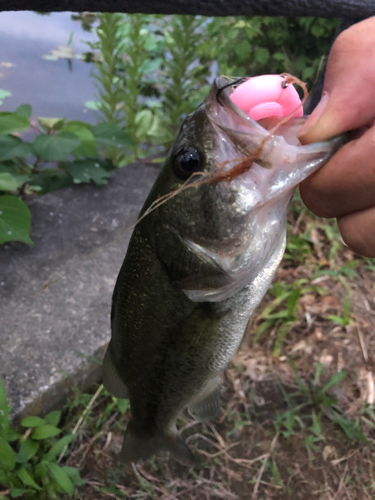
<point x="49" y="86"/>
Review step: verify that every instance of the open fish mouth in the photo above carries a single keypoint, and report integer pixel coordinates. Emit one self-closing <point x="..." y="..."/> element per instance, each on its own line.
<point x="262" y="192"/>
<point x="288" y="161"/>
<point x="239" y="121"/>
<point x="247" y="134"/>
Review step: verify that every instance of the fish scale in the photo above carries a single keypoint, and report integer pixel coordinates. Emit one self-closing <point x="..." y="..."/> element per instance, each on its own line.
<point x="197" y="267"/>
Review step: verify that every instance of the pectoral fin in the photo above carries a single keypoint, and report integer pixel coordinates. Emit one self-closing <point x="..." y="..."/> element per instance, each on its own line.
<point x="208" y="407"/>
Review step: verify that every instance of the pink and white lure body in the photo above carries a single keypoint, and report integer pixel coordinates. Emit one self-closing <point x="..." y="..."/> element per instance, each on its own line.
<point x="267" y="95"/>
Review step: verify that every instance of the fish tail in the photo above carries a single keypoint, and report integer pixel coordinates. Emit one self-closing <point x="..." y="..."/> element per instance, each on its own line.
<point x="137" y="447"/>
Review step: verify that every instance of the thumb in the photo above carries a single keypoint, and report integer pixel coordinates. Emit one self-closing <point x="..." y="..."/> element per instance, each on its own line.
<point x="347" y="101"/>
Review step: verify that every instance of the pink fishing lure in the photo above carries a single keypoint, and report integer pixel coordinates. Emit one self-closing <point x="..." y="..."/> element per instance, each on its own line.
<point x="264" y="96"/>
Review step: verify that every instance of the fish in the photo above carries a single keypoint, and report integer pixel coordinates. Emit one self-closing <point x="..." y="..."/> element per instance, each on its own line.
<point x="198" y="265"/>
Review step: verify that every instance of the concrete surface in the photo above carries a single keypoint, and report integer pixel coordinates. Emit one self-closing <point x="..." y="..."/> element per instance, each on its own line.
<point x="56" y="338"/>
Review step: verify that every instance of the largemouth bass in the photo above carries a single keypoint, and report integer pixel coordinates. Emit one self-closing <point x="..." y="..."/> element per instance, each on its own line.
<point x="198" y="266"/>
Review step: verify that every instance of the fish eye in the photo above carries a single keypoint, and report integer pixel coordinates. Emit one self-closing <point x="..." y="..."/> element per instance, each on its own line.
<point x="186" y="162"/>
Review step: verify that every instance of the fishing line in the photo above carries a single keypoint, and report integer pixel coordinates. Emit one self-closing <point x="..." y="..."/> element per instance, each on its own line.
<point x="231" y="84"/>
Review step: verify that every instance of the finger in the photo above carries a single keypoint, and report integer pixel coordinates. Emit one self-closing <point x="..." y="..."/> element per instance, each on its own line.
<point x="347" y="102"/>
<point x="358" y="231"/>
<point x="346" y="183"/>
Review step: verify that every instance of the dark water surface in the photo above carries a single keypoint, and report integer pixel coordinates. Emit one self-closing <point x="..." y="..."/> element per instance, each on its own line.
<point x="49" y="86"/>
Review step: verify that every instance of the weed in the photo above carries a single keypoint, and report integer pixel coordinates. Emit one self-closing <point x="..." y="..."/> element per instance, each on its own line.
<point x="185" y="76"/>
<point x="63" y="152"/>
<point x="298" y="247"/>
<point x="345" y="319"/>
<point x="29" y="465"/>
<point x="282" y="311"/>
<point x="288" y="423"/>
<point x="369" y="264"/>
<point x="125" y="56"/>
<point x="351" y="428"/>
<point x="314" y="396"/>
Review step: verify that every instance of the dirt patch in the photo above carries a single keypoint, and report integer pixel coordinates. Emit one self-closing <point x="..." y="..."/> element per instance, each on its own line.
<point x="298" y="416"/>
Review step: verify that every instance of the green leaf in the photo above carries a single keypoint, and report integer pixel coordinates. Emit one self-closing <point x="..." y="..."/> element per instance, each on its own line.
<point x="111" y="135"/>
<point x="262" y="328"/>
<point x="27" y="479"/>
<point x="4" y="422"/>
<point x="243" y="50"/>
<point x="13" y="435"/>
<point x="27" y="450"/>
<point x="318" y="373"/>
<point x="55" y="147"/>
<point x="53" y="418"/>
<point x="41" y="471"/>
<point x="12" y="122"/>
<point x="158" y="129"/>
<point x="17" y="492"/>
<point x="24" y="110"/>
<point x="58" y="447"/>
<point x="5" y="477"/>
<point x="51" y="179"/>
<point x="151" y="65"/>
<point x="11" y="146"/>
<point x="7" y="456"/>
<point x="45" y="431"/>
<point x="9" y="182"/>
<point x="123" y="405"/>
<point x="293" y="300"/>
<point x="334" y="380"/>
<point x="4" y="94"/>
<point x="61" y="478"/>
<point x="88" y="142"/>
<point x="261" y="55"/>
<point x="143" y="120"/>
<point x="73" y="473"/>
<point x="317" y="30"/>
<point x="51" y="123"/>
<point x="93" y="105"/>
<point x="32" y="421"/>
<point x="336" y="319"/>
<point x="87" y="171"/>
<point x="15" y="220"/>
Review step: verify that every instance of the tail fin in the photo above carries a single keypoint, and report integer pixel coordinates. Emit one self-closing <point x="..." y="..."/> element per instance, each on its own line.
<point x="137" y="448"/>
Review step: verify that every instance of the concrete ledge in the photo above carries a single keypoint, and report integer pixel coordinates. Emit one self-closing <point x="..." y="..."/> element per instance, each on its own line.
<point x="57" y="337"/>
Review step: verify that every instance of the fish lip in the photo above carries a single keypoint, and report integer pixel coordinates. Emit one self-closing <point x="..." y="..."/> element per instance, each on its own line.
<point x="222" y="88"/>
<point x="231" y="123"/>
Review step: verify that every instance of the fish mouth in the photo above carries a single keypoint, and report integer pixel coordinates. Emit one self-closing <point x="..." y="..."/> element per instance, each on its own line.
<point x="244" y="132"/>
<point x="221" y="90"/>
<point x="219" y="97"/>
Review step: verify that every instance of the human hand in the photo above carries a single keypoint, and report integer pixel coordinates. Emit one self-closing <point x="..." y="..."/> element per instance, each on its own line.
<point x="345" y="187"/>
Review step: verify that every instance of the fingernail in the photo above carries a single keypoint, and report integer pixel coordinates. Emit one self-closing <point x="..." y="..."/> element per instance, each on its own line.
<point x="315" y="116"/>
